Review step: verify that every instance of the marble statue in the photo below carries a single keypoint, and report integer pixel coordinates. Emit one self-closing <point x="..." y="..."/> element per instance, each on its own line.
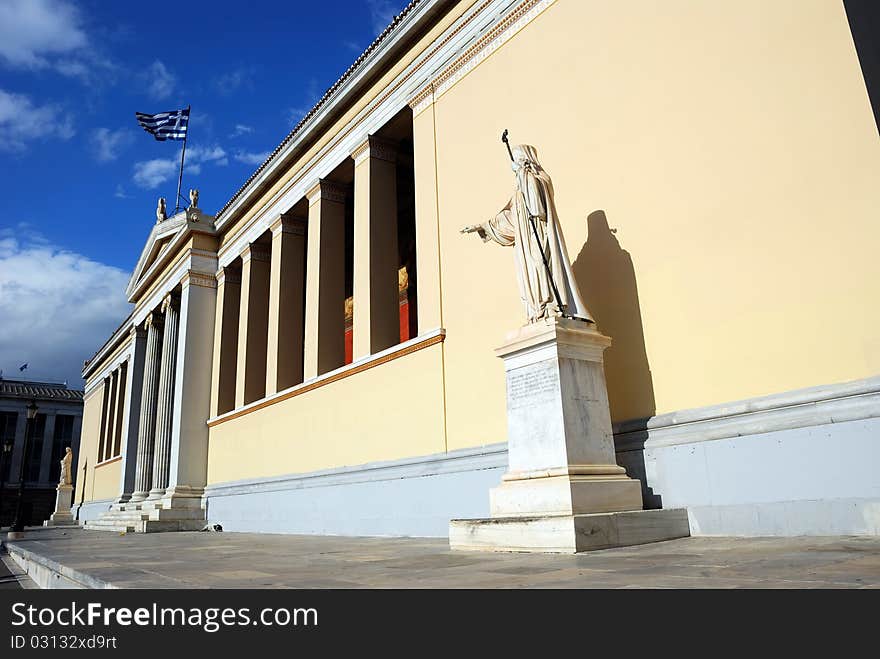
<point x="66" y="473"/>
<point x="194" y="198"/>
<point x="512" y="227"/>
<point x="160" y="210"/>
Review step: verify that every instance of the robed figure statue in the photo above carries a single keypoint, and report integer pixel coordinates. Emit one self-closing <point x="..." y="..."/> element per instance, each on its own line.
<point x="530" y="225"/>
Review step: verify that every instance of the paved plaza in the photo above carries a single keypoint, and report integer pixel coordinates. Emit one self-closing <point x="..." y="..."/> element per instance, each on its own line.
<point x="247" y="560"/>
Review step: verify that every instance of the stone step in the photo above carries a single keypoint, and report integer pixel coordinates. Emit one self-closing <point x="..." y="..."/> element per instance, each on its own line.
<point x="124" y="517"/>
<point x="176" y="514"/>
<point x="106" y="525"/>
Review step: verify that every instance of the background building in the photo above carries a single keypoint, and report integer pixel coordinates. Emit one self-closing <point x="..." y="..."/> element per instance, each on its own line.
<point x="716" y="169"/>
<point x="57" y="425"/>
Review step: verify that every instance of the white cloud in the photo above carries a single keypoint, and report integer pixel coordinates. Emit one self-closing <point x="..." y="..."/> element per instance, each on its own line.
<point x="33" y="30"/>
<point x="231" y="82"/>
<point x="21" y="122"/>
<point x="160" y="81"/>
<point x="58" y="307"/>
<point x="241" y="129"/>
<point x="251" y="158"/>
<point x="49" y="34"/>
<point x="150" y="174"/>
<point x="108" y="143"/>
<point x="212" y="154"/>
<point x="120" y="192"/>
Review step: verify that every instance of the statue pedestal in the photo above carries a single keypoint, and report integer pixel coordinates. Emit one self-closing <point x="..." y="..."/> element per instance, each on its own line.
<point x="62" y="515"/>
<point x="563" y="491"/>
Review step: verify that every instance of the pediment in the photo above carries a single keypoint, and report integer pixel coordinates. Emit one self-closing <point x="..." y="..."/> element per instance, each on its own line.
<point x="163" y="239"/>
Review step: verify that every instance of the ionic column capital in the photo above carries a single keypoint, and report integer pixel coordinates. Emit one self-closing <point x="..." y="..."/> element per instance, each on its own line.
<point x="171" y="300"/>
<point x="375" y="147"/>
<point x="153" y="319"/>
<point x="326" y="190"/>
<point x="137" y="331"/>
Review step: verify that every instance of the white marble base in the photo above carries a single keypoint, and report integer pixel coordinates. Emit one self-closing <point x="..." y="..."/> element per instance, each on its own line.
<point x="568" y="534"/>
<point x="62" y="515"/>
<point x="565" y="495"/>
<point x="563" y="491"/>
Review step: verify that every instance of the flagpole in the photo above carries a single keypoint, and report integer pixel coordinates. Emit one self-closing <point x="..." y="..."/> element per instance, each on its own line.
<point x="182" y="156"/>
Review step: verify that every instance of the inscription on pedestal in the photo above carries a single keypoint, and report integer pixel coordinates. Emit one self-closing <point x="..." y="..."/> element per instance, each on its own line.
<point x="534" y="384"/>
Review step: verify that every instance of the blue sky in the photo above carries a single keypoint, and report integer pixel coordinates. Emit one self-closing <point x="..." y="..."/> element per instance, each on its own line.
<point x="80" y="178"/>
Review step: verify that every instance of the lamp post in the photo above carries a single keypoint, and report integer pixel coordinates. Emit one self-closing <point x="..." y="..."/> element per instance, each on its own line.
<point x="5" y="456"/>
<point x="17" y="529"/>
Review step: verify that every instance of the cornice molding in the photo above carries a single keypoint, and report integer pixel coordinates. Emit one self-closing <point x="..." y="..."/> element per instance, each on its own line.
<point x="507" y="28"/>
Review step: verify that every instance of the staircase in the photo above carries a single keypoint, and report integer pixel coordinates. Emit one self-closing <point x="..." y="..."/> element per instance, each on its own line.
<point x="151" y="517"/>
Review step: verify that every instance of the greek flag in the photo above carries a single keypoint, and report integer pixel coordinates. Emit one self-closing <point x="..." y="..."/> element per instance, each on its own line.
<point x="165" y="125"/>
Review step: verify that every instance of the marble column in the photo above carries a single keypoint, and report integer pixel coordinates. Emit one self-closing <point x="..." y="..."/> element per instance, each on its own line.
<point x="131" y="414"/>
<point x="226" y="339"/>
<point x="284" y="347"/>
<point x="192" y="392"/>
<point x="376" y="259"/>
<point x="325" y="280"/>
<point x="165" y="399"/>
<point x="253" y="324"/>
<point x="147" y="425"/>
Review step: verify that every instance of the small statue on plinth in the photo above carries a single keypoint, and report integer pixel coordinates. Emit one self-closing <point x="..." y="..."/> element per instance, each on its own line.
<point x="529" y="224"/>
<point x="161" y="215"/>
<point x="193" y="198"/>
<point x="66" y="472"/>
<point x="64" y="494"/>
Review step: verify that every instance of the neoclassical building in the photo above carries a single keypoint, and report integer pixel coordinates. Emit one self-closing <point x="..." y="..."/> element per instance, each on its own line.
<point x="34" y="448"/>
<point x="317" y="356"/>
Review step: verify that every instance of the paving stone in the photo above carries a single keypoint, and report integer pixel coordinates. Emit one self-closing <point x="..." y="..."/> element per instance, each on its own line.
<point x="245" y="560"/>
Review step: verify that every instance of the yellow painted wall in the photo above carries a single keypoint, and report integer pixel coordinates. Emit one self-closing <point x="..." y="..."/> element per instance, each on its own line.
<point x="391" y="411"/>
<point x="88" y="443"/>
<point x="105" y="481"/>
<point x="99" y="484"/>
<point x="731" y="146"/>
<point x="731" y="149"/>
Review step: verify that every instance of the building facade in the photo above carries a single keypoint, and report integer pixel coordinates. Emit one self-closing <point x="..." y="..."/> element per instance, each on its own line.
<point x="57" y="425"/>
<point x="317" y="357"/>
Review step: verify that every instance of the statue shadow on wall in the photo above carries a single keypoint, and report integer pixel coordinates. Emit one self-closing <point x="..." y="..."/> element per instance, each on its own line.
<point x="607" y="280"/>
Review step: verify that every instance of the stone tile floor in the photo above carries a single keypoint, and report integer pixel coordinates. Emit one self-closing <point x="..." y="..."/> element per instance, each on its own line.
<point x="248" y="560"/>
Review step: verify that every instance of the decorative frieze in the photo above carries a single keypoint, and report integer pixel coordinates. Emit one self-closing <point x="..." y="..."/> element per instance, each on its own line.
<point x="198" y="278"/>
